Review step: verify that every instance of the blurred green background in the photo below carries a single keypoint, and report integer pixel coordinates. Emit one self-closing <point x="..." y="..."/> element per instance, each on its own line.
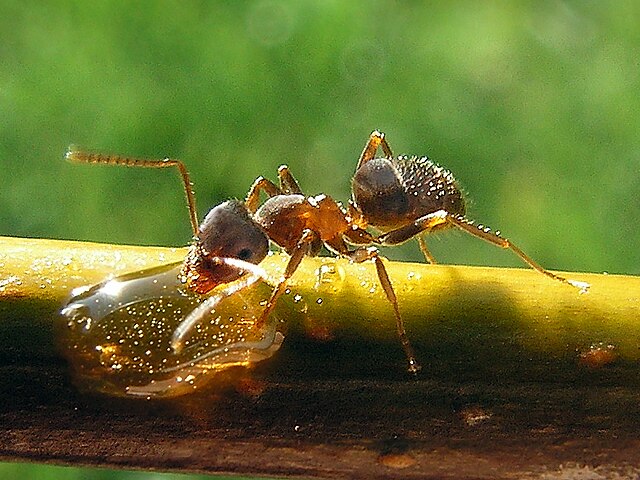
<point x="534" y="106"/>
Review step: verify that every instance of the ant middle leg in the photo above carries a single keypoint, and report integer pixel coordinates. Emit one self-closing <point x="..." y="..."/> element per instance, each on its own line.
<point x="97" y="158"/>
<point x="442" y="217"/>
<point x="363" y="254"/>
<point x="425" y="249"/>
<point x="288" y="185"/>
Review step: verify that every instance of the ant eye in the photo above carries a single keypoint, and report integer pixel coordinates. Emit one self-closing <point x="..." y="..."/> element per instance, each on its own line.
<point x="245" y="254"/>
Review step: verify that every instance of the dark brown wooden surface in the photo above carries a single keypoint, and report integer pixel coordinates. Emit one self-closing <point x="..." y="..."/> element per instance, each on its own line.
<point x="296" y="417"/>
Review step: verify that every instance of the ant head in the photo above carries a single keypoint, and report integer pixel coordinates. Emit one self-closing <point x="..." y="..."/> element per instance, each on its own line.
<point x="228" y="231"/>
<point x="378" y="192"/>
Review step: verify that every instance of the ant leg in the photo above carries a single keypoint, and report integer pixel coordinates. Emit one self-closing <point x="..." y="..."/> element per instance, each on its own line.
<point x="356" y="216"/>
<point x="260" y="184"/>
<point x="85" y="157"/>
<point x="205" y="309"/>
<point x="371" y="253"/>
<point x="486" y="234"/>
<point x="376" y="139"/>
<point x="288" y="183"/>
<point x="441" y="217"/>
<point x="255" y="273"/>
<point x="298" y="253"/>
<point x="425" y="250"/>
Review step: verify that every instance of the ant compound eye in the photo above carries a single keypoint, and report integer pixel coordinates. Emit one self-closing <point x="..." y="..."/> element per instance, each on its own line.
<point x="245" y="254"/>
<point x="229" y="231"/>
<point x="379" y="193"/>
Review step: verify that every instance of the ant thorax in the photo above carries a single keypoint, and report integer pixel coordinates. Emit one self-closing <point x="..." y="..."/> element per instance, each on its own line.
<point x="286" y="217"/>
<point x="393" y="192"/>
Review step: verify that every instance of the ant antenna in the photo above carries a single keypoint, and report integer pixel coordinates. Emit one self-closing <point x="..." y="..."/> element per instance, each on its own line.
<point x="86" y="157"/>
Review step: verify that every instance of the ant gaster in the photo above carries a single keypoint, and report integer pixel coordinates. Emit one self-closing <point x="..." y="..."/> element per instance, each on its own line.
<point x="402" y="197"/>
<point x="406" y="197"/>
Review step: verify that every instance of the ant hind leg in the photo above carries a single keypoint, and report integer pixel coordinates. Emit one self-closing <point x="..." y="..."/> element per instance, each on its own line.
<point x="425" y="249"/>
<point x="442" y="217"/>
<point x="486" y="234"/>
<point x="376" y="139"/>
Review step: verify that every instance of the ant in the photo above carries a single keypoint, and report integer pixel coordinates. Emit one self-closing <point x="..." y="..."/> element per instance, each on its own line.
<point x="402" y="197"/>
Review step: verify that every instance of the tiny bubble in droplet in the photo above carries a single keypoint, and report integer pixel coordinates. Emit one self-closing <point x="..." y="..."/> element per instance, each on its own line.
<point x="319" y="301"/>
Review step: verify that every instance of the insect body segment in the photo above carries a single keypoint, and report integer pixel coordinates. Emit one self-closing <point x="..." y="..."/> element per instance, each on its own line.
<point x="392" y="192"/>
<point x="228" y="231"/>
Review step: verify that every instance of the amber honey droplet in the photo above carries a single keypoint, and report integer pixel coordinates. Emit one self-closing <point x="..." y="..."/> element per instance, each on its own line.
<point x="118" y="335"/>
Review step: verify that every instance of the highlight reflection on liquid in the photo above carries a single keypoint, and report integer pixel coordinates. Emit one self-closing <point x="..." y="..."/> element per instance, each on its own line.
<point x="118" y="334"/>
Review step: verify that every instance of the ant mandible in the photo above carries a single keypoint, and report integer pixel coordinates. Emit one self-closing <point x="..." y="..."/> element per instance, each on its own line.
<point x="403" y="197"/>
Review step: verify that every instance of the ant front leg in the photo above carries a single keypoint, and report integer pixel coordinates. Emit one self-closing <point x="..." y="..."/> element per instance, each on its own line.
<point x="376" y="139"/>
<point x="253" y="274"/>
<point x="260" y="184"/>
<point x="300" y="250"/>
<point x="288" y="184"/>
<point x="442" y="217"/>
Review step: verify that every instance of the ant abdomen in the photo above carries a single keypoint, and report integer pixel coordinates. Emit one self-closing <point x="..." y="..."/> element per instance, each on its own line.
<point x="393" y="192"/>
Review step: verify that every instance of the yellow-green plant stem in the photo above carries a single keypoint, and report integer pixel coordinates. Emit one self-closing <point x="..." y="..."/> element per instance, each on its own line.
<point x="496" y="317"/>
